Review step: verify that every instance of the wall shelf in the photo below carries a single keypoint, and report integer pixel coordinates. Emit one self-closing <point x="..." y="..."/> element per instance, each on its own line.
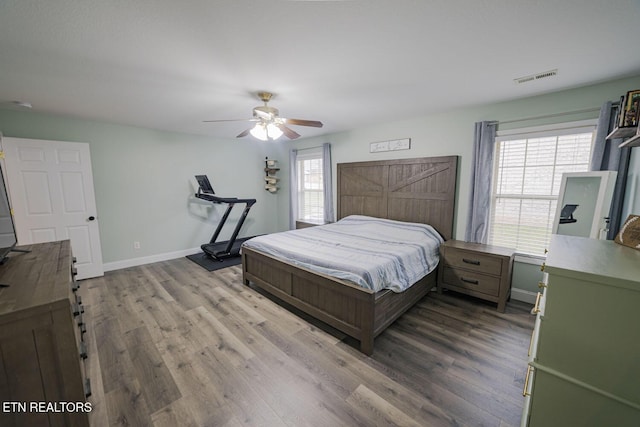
<point x="624" y="132"/>
<point x="631" y="142"/>
<point x="628" y="119"/>
<point x="631" y="133"/>
<point x="270" y="170"/>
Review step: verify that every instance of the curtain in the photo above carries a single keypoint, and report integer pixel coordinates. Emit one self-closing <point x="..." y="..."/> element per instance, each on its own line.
<point x="480" y="191"/>
<point x="327" y="184"/>
<point x="607" y="156"/>
<point x="293" y="188"/>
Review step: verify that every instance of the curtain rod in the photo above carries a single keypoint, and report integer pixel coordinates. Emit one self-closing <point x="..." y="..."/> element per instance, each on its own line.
<point x="546" y="116"/>
<point x="549" y="116"/>
<point x="308" y="148"/>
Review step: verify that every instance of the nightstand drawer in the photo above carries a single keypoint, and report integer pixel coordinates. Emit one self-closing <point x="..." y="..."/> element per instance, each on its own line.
<point x="475" y="261"/>
<point x="470" y="280"/>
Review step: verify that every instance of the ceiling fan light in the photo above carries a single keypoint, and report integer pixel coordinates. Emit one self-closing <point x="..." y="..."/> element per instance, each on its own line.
<point x="259" y="132"/>
<point x="273" y="131"/>
<point x="265" y="132"/>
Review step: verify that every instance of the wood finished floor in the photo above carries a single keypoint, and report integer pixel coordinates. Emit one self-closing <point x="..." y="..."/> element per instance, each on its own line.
<point x="171" y="344"/>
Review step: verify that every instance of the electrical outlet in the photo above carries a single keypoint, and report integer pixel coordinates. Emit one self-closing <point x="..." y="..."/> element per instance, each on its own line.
<point x="136" y="245"/>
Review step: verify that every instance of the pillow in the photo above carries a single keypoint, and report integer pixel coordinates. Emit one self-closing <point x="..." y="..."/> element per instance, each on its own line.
<point x="629" y="234"/>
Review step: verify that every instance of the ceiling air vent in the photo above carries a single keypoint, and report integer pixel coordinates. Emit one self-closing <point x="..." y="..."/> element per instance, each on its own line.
<point x="538" y="76"/>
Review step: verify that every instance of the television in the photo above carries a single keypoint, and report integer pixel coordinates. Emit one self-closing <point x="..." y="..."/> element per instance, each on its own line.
<point x="8" y="237"/>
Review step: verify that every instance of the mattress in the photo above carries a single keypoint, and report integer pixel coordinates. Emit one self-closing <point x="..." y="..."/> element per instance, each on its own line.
<point x="374" y="253"/>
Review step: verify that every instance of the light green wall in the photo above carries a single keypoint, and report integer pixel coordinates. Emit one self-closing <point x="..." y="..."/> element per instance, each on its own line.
<point x="451" y="133"/>
<point x="144" y="178"/>
<point x="144" y="182"/>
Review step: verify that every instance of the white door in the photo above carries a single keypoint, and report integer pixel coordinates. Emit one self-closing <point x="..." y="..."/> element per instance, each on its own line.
<point x="50" y="185"/>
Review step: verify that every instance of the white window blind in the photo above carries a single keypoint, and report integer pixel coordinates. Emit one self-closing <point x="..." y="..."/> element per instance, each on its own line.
<point x="528" y="169"/>
<point x="310" y="185"/>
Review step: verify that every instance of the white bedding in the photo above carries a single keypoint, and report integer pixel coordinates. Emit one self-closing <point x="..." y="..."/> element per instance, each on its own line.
<point x="371" y="252"/>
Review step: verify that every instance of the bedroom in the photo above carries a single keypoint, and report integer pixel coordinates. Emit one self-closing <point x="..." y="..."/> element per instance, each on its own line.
<point x="143" y="176"/>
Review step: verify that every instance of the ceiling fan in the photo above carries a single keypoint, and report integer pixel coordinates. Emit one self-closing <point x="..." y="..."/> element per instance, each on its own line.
<point x="269" y="124"/>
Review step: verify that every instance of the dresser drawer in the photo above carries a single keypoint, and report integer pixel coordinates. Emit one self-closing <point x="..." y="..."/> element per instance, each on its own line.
<point x="478" y="282"/>
<point x="475" y="261"/>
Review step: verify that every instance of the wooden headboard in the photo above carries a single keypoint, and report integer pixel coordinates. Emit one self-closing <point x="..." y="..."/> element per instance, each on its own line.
<point x="414" y="190"/>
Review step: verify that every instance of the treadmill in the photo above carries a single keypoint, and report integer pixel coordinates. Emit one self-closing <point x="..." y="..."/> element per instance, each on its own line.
<point x="566" y="214"/>
<point x="229" y="248"/>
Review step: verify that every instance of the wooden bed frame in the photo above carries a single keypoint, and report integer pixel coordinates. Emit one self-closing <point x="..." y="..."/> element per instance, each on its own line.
<point x="414" y="190"/>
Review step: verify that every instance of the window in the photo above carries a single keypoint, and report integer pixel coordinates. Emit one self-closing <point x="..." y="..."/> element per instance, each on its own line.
<point x="310" y="186"/>
<point x="528" y="168"/>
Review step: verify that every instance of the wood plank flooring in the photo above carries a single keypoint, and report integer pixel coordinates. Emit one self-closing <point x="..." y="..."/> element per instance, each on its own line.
<point x="171" y="344"/>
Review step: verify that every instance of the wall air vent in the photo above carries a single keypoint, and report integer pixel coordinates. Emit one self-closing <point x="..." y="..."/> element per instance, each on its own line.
<point x="538" y="76"/>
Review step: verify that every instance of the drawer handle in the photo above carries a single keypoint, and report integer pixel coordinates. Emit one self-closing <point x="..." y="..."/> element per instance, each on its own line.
<point x="473" y="282"/>
<point x="77" y="309"/>
<point x="536" y="308"/>
<point x="87" y="387"/>
<point x="83" y="351"/>
<point x="471" y="261"/>
<point x="531" y="343"/>
<point x="526" y="381"/>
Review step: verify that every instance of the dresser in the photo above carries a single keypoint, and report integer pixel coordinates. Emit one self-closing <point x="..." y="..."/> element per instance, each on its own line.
<point x="42" y="352"/>
<point x="584" y="357"/>
<point x="483" y="271"/>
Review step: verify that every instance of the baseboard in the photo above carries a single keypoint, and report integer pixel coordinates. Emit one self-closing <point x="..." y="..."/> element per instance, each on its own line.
<point x="524" y="296"/>
<point x="134" y="262"/>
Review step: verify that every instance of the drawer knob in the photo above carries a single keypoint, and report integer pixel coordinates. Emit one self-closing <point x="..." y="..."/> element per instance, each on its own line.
<point x="87" y="387"/>
<point x="83" y="350"/>
<point x="471" y="261"/>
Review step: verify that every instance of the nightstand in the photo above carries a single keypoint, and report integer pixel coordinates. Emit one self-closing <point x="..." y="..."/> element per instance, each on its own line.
<point x="305" y="223"/>
<point x="482" y="271"/>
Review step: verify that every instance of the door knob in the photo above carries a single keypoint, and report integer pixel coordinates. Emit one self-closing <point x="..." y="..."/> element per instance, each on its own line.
<point x="91" y="218"/>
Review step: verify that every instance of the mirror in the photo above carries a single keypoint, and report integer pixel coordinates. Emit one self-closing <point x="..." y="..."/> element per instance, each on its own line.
<point x="583" y="204"/>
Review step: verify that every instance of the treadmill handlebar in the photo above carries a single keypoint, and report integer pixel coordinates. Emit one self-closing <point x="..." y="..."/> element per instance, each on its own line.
<point x="215" y="199"/>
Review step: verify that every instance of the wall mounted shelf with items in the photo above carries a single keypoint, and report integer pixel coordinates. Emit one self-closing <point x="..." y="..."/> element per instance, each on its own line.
<point x="270" y="170"/>
<point x="628" y="120"/>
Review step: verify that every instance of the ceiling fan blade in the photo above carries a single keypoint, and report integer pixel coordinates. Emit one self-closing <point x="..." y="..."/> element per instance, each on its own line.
<point x="288" y="132"/>
<point x="300" y="122"/>
<point x="244" y="133"/>
<point x="231" y="120"/>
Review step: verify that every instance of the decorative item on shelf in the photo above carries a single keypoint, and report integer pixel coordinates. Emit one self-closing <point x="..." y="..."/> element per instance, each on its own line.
<point x="629" y="109"/>
<point x="628" y="120"/>
<point x="270" y="169"/>
<point x="629" y="234"/>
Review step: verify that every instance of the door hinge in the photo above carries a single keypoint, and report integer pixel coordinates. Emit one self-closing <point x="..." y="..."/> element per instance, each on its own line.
<point x="1" y="154"/>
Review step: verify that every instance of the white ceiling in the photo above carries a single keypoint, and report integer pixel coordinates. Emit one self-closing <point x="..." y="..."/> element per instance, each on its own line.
<point x="169" y="65"/>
